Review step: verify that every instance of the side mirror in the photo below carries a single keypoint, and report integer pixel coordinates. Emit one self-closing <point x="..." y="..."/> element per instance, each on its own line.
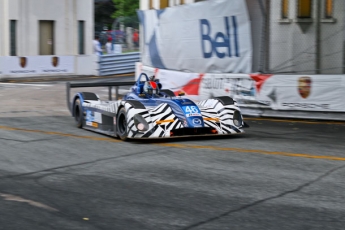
<point x="181" y="94"/>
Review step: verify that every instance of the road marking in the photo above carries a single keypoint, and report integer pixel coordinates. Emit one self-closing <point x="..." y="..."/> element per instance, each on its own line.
<point x="296" y="121"/>
<point x="303" y="155"/>
<point x="17" y="84"/>
<point x="184" y="146"/>
<point x="10" y="197"/>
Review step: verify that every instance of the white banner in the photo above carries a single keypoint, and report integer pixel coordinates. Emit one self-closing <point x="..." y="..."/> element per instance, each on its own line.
<point x="206" y="37"/>
<point x="37" y="65"/>
<point x="304" y="92"/>
<point x="278" y="92"/>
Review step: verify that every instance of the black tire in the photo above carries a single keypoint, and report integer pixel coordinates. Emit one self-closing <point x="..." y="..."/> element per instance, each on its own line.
<point x="168" y="92"/>
<point x="121" y="124"/>
<point x="78" y="114"/>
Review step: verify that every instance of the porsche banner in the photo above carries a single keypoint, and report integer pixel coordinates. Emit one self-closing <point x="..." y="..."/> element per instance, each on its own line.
<point x="304" y="92"/>
<point x="210" y="36"/>
<point x="37" y="65"/>
<point x="323" y="93"/>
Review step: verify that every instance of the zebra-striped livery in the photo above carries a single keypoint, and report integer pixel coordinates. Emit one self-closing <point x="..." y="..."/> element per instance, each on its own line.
<point x="162" y="120"/>
<point x="213" y="108"/>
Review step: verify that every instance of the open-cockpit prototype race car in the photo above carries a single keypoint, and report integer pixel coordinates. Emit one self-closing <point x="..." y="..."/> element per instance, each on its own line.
<point x="148" y="111"/>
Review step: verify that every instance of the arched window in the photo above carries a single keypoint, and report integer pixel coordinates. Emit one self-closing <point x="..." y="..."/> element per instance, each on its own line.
<point x="328" y="8"/>
<point x="304" y="8"/>
<point x="285" y="9"/>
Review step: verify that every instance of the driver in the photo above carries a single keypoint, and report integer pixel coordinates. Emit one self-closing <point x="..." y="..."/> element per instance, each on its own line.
<point x="151" y="87"/>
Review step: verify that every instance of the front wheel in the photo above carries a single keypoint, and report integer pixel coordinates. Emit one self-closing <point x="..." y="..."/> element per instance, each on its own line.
<point x="78" y="114"/>
<point x="121" y="124"/>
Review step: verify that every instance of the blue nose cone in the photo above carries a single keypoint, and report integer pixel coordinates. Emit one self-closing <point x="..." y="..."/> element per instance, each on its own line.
<point x="195" y="122"/>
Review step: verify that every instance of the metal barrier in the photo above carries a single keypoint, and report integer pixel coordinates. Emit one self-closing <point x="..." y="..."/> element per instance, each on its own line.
<point x="110" y="64"/>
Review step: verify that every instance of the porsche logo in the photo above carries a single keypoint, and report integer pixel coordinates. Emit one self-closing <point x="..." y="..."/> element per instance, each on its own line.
<point x="55" y="61"/>
<point x="304" y="86"/>
<point x="22" y="61"/>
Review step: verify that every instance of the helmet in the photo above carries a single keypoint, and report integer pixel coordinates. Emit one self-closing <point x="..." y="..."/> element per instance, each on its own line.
<point x="151" y="88"/>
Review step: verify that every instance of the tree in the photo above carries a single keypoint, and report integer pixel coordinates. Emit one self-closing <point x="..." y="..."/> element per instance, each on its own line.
<point x="125" y="8"/>
<point x="103" y="11"/>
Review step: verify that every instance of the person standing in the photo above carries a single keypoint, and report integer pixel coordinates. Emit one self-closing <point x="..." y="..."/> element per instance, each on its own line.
<point x="97" y="49"/>
<point x="108" y="46"/>
<point x="136" y="38"/>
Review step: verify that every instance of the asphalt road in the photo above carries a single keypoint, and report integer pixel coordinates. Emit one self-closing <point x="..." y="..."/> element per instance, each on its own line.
<point x="280" y="174"/>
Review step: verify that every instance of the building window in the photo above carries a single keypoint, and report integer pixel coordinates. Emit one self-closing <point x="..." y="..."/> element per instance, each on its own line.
<point x="164" y="4"/>
<point x="285" y="9"/>
<point x="182" y="2"/>
<point x="13" y="39"/>
<point x="46" y="39"/>
<point x="328" y="8"/>
<point x="81" y="37"/>
<point x="304" y="9"/>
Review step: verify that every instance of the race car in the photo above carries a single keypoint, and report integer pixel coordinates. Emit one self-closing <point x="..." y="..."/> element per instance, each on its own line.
<point x="148" y="111"/>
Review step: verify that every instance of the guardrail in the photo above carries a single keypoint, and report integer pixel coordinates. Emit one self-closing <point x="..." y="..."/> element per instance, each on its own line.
<point x="111" y="64"/>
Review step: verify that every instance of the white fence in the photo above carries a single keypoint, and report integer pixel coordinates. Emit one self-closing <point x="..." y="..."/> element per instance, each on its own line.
<point x="292" y="96"/>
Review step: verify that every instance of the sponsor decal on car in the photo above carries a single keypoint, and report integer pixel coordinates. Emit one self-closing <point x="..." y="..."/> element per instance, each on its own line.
<point x="191" y="111"/>
<point x="92" y="124"/>
<point x="193" y="115"/>
<point x="196" y="121"/>
<point x="93" y="116"/>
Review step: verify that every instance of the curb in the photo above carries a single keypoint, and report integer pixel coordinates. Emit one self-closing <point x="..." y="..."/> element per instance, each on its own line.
<point x="61" y="78"/>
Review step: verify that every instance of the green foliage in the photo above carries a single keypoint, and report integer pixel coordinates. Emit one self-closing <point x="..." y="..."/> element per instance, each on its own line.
<point x="125" y="8"/>
<point x="103" y="12"/>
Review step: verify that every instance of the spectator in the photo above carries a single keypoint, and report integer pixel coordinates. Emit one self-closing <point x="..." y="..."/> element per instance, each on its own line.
<point x="97" y="49"/>
<point x="136" y="38"/>
<point x="108" y="46"/>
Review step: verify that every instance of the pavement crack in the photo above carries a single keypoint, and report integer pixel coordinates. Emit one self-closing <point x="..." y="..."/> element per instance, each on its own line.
<point x="244" y="207"/>
<point x="43" y="139"/>
<point x="30" y="141"/>
<point x="9" y="139"/>
<point x="74" y="165"/>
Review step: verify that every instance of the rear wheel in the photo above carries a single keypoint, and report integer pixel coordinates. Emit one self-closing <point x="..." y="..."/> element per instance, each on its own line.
<point x="78" y="114"/>
<point x="121" y="124"/>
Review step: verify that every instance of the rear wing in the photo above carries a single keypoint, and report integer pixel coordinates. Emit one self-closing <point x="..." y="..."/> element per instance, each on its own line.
<point x="110" y="86"/>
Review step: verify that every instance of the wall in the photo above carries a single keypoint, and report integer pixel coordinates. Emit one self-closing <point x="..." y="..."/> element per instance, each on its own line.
<point x="332" y="33"/>
<point x="257" y="14"/>
<point x="293" y="42"/>
<point x="65" y="14"/>
<point x="4" y="28"/>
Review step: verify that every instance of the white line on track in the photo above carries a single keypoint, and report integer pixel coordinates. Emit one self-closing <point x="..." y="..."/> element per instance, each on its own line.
<point x="16" y="84"/>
